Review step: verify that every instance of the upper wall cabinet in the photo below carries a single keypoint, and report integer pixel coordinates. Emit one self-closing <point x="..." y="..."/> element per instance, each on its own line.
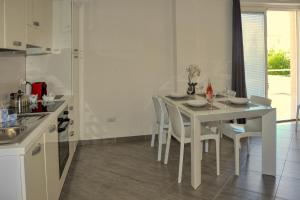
<point x="13" y="24"/>
<point x="39" y="23"/>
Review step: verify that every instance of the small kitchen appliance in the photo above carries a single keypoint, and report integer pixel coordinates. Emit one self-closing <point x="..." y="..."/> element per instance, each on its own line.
<point x="39" y="88"/>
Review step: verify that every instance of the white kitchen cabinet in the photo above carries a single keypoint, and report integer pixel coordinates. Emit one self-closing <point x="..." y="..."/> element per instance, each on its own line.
<point x="2" y="23"/>
<point x="10" y="184"/>
<point x="39" y="23"/>
<point x="13" y="24"/>
<point x="51" y="162"/>
<point x="35" y="177"/>
<point x="75" y="84"/>
<point x="73" y="132"/>
<point x="75" y="26"/>
<point x="75" y="70"/>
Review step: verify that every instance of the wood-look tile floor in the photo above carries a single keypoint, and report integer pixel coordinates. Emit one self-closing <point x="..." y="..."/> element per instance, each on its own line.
<point x="129" y="171"/>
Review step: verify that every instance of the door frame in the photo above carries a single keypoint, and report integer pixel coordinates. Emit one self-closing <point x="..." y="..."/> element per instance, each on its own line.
<point x="248" y="7"/>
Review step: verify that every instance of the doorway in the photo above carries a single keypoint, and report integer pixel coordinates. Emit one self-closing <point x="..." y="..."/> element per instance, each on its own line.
<point x="282" y="62"/>
<point x="270" y="55"/>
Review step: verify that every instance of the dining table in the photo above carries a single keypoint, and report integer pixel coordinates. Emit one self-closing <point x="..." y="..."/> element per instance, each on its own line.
<point x="221" y="109"/>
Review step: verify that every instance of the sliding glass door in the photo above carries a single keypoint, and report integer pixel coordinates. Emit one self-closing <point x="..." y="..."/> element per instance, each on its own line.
<point x="270" y="53"/>
<point x="253" y="25"/>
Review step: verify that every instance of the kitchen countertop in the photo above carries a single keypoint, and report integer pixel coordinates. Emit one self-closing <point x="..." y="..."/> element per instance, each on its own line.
<point x="21" y="148"/>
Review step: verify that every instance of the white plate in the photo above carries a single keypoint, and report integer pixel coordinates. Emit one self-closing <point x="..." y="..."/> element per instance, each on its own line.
<point x="177" y="95"/>
<point x="239" y="100"/>
<point x="197" y="103"/>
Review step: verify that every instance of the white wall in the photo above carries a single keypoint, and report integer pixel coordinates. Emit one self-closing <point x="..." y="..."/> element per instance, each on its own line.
<point x="12" y="70"/>
<point x="203" y="29"/>
<point x="128" y="57"/>
<point x="134" y="49"/>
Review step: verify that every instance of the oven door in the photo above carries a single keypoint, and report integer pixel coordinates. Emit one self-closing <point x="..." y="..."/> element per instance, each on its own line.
<point x="63" y="144"/>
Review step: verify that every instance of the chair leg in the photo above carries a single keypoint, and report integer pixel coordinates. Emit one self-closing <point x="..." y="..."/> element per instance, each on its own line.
<point x="297" y="117"/>
<point x="248" y="145"/>
<point x="180" y="161"/>
<point x="160" y="138"/>
<point x="237" y="156"/>
<point x="218" y="155"/>
<point x="202" y="149"/>
<point x="153" y="135"/>
<point x="168" y="147"/>
<point x="219" y="130"/>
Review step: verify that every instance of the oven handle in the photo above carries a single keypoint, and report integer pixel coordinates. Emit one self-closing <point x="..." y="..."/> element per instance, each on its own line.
<point x="62" y="129"/>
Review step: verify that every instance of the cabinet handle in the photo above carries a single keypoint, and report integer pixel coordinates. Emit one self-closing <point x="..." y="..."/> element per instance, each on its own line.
<point x="52" y="128"/>
<point x="36" y="150"/>
<point x="75" y="56"/>
<point x="71" y="108"/>
<point x="48" y="49"/>
<point x="36" y="23"/>
<point x="71" y="122"/>
<point x="72" y="133"/>
<point x="17" y="43"/>
<point x="76" y="50"/>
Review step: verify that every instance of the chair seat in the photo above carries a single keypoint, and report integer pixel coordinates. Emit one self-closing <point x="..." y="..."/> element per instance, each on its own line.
<point x="205" y="134"/>
<point x="232" y="130"/>
<point x="186" y="122"/>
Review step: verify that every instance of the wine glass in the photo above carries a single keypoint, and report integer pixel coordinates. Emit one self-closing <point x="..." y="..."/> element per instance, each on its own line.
<point x="210" y="100"/>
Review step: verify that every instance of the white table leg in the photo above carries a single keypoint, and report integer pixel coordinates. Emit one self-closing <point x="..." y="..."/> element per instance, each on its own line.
<point x="269" y="143"/>
<point x="196" y="153"/>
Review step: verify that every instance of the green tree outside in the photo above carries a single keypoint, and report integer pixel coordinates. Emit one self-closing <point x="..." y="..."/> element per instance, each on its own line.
<point x="278" y="59"/>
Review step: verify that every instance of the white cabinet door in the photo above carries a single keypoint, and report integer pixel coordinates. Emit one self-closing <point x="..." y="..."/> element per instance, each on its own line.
<point x="14" y="24"/>
<point x="10" y="176"/>
<point x="48" y="25"/>
<point x="1" y="23"/>
<point x="35" y="177"/>
<point x="75" y="84"/>
<point x="39" y="23"/>
<point x="75" y="26"/>
<point x="51" y="162"/>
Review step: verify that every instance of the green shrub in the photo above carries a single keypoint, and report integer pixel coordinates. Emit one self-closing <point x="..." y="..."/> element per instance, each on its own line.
<point x="278" y="60"/>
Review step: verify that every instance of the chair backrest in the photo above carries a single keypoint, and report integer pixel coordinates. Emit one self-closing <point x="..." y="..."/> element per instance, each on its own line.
<point x="176" y="120"/>
<point x="261" y="100"/>
<point x="231" y="93"/>
<point x="160" y="110"/>
<point x="256" y="124"/>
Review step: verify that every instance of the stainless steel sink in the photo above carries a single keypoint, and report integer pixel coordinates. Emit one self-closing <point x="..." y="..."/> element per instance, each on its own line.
<point x="15" y="132"/>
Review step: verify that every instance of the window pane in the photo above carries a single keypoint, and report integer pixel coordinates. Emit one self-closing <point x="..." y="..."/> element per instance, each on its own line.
<point x="253" y="25"/>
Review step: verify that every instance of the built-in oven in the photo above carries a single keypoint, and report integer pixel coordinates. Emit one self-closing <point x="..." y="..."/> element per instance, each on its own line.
<point x="63" y="139"/>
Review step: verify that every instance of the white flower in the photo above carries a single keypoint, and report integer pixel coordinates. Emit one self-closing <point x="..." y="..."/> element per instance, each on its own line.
<point x="193" y="71"/>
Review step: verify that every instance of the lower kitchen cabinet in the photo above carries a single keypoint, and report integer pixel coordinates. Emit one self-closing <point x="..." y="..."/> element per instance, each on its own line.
<point x="51" y="162"/>
<point x="35" y="177"/>
<point x="73" y="132"/>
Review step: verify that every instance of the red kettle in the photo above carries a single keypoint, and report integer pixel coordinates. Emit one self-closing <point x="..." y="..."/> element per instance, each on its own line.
<point x="39" y="88"/>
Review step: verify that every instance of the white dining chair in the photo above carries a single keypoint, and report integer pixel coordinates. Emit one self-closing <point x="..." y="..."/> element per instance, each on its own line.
<point x="297" y="117"/>
<point x="162" y="123"/>
<point x="183" y="135"/>
<point x="252" y="128"/>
